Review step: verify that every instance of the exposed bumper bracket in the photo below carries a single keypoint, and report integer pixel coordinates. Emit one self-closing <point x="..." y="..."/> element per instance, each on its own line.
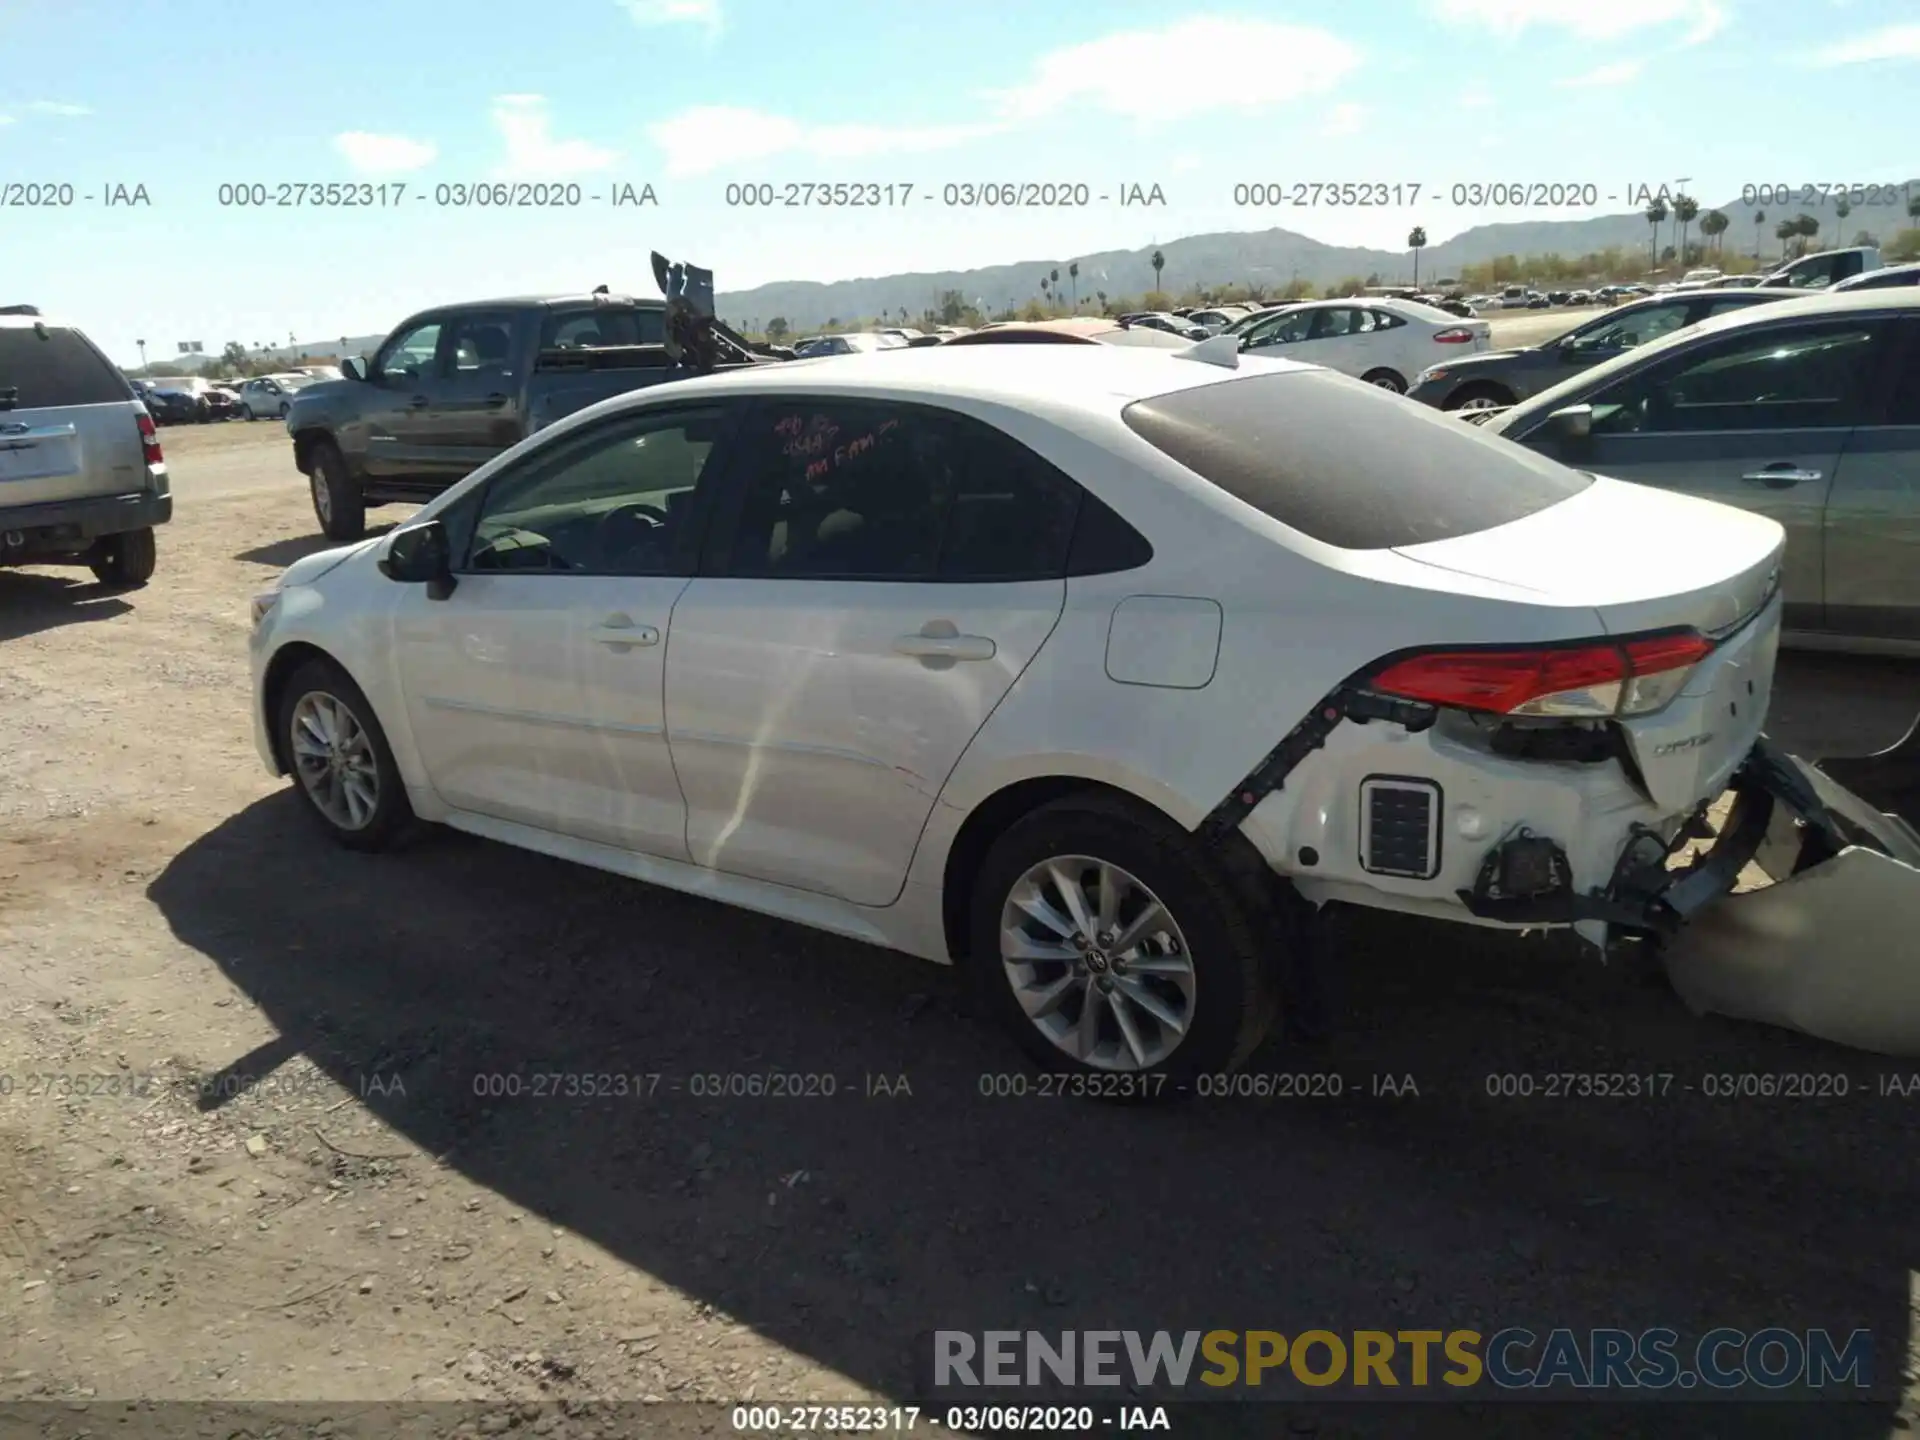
<point x="1349" y="702"/>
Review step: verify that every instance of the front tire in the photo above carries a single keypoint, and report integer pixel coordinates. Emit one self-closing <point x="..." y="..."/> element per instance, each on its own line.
<point x="246" y="413"/>
<point x="339" y="757"/>
<point x="1387" y="380"/>
<point x="1479" y="397"/>
<point x="1110" y="944"/>
<point x="337" y="502"/>
<point x="126" y="559"/>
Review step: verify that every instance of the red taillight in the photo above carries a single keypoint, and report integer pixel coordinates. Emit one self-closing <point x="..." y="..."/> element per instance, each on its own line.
<point x="150" y="441"/>
<point x="1453" y="337"/>
<point x="1606" y="678"/>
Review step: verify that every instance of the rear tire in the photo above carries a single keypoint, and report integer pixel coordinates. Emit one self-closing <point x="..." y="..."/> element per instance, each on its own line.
<point x="1039" y="981"/>
<point x="127" y="559"/>
<point x="1387" y="380"/>
<point x="339" y="758"/>
<point x="337" y="502"/>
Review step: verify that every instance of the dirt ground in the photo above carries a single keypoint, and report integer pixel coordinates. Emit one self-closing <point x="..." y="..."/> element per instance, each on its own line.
<point x="248" y="1149"/>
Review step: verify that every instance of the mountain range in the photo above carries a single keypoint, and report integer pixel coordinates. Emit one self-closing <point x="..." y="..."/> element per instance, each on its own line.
<point x="1274" y="257"/>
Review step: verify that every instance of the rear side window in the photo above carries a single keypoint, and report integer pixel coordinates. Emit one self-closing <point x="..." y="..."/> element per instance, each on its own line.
<point x="1346" y="465"/>
<point x="603" y="327"/>
<point x="56" y="367"/>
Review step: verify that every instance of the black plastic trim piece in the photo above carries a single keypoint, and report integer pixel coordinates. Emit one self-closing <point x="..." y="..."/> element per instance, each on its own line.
<point x="1347" y="702"/>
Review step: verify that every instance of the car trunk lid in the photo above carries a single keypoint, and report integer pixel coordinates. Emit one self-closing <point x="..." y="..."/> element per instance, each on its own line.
<point x="1642" y="558"/>
<point x="69" y="453"/>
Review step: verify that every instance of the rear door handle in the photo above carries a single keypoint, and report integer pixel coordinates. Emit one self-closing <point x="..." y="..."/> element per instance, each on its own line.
<point x="495" y="401"/>
<point x="1782" y="475"/>
<point x="945" y="647"/>
<point x="620" y="632"/>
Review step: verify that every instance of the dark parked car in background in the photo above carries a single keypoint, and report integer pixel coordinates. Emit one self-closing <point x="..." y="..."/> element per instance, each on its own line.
<point x="171" y="405"/>
<point x="1504" y="377"/>
<point x="223" y="402"/>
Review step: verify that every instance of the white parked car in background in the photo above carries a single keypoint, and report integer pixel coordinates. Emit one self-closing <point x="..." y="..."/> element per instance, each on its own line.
<point x="270" y="396"/>
<point x="1384" y="342"/>
<point x="1091" y="670"/>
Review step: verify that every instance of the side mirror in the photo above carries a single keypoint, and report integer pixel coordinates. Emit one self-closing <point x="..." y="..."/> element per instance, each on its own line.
<point x="354" y="368"/>
<point x="1574" y="423"/>
<point x="421" y="555"/>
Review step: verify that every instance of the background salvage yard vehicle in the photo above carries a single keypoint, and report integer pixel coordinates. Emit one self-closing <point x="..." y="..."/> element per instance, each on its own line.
<point x="1806" y="411"/>
<point x="1364" y="653"/>
<point x="455" y="386"/>
<point x="82" y="479"/>
<point x="1501" y="377"/>
<point x="1384" y="342"/>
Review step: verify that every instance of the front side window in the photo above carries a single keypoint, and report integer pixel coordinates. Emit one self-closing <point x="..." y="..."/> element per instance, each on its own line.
<point x="1805" y="377"/>
<point x="618" y="501"/>
<point x="410" y="356"/>
<point x="1282" y="330"/>
<point x="871" y="491"/>
<point x="482" y="344"/>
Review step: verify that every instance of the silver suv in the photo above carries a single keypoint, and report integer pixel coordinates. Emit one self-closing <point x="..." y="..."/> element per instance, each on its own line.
<point x="82" y="480"/>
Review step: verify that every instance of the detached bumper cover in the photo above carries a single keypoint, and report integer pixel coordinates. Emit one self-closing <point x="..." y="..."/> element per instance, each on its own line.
<point x="1828" y="949"/>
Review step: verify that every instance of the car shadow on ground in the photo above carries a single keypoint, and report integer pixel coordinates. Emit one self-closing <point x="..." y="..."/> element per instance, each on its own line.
<point x="282" y="553"/>
<point x="1403" y="1180"/>
<point x="32" y="603"/>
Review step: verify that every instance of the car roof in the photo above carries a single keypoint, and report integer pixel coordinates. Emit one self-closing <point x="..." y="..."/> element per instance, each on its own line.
<point x="1096" y="379"/>
<point x="1866" y="278"/>
<point x="515" y="302"/>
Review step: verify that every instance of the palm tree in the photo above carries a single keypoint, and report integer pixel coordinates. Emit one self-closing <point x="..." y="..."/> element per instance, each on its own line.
<point x="1759" y="219"/>
<point x="1685" y="207"/>
<point x="1841" y="209"/>
<point x="1913" y="208"/>
<point x="1656" y="213"/>
<point x="1056" y="278"/>
<point x="1808" y="226"/>
<point x="1073" y="274"/>
<point x="1784" y="232"/>
<point x="1713" y="225"/>
<point x="1416" y="242"/>
<point x="1101" y="296"/>
<point x="1159" y="263"/>
<point x="1043" y="286"/>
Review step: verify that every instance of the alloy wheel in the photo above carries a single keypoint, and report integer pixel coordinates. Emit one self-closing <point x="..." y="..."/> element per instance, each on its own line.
<point x="1097" y="963"/>
<point x="333" y="756"/>
<point x="322" y="495"/>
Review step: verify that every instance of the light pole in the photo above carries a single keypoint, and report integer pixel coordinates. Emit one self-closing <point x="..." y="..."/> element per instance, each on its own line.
<point x="1679" y="189"/>
<point x="143" y="353"/>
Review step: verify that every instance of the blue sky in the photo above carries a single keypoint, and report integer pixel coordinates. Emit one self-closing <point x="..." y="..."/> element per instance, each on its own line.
<point x="691" y="95"/>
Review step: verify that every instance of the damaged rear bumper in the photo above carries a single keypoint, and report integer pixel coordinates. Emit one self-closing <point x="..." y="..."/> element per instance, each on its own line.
<point x="1828" y="948"/>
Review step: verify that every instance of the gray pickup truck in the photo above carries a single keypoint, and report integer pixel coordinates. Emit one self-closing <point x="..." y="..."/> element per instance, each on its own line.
<point x="454" y="386"/>
<point x="82" y="480"/>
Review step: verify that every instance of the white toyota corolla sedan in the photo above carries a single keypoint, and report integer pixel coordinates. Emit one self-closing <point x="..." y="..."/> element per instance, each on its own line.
<point x="1094" y="671"/>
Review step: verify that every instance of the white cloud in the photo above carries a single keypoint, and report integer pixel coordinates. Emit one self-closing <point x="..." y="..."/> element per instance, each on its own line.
<point x="1896" y="42"/>
<point x="702" y="13"/>
<point x="384" y="154"/>
<point x="6" y="119"/>
<point x="532" y="151"/>
<point x="1621" y="72"/>
<point x="1343" y="120"/>
<point x="56" y="107"/>
<point x="1110" y="73"/>
<point x="1477" y="97"/>
<point x="713" y="137"/>
<point x="1587" y="19"/>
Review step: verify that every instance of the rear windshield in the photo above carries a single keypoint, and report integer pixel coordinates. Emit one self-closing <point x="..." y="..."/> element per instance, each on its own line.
<point x="1347" y="465"/>
<point x="59" y="369"/>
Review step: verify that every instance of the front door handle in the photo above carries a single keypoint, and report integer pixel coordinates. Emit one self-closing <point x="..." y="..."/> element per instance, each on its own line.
<point x="940" y="640"/>
<point x="1781" y="475"/>
<point x="495" y="401"/>
<point x="419" y="402"/>
<point x="621" y="633"/>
